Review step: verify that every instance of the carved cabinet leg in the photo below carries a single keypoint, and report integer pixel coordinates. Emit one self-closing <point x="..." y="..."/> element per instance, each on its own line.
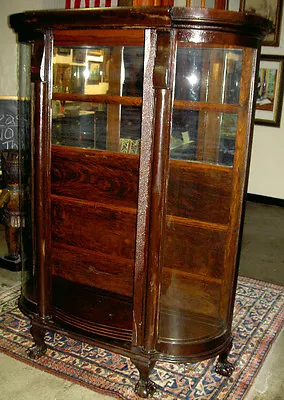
<point x="39" y="348"/>
<point x="223" y="366"/>
<point x="145" y="387"/>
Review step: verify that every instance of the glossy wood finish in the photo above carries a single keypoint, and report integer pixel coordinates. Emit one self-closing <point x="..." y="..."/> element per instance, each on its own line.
<point x="246" y="25"/>
<point x="144" y="193"/>
<point x="76" y="172"/>
<point x="130" y="246"/>
<point x="41" y="70"/>
<point x="162" y="82"/>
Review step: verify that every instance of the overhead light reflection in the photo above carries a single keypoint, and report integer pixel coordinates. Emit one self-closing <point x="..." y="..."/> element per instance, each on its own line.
<point x="192" y="79"/>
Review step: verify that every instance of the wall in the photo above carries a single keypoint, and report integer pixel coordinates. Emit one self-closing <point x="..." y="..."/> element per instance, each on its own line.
<point x="267" y="162"/>
<point x="8" y="48"/>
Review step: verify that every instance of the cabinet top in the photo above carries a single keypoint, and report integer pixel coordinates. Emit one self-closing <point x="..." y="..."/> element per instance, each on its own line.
<point x="28" y="23"/>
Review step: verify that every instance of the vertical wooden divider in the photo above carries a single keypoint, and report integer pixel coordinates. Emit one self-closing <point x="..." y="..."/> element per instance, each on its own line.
<point x="163" y="86"/>
<point x="41" y="68"/>
<point x="144" y="193"/>
<point x="114" y="110"/>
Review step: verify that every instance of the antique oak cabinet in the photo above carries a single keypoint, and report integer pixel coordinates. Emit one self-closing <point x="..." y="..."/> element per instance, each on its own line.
<point x="135" y="138"/>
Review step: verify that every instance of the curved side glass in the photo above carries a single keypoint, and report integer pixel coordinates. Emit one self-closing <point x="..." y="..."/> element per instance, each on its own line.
<point x="25" y="145"/>
<point x="205" y="125"/>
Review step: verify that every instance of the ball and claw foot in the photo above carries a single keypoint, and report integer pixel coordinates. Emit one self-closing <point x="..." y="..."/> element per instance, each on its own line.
<point x="145" y="388"/>
<point x="36" y="351"/>
<point x="224" y="368"/>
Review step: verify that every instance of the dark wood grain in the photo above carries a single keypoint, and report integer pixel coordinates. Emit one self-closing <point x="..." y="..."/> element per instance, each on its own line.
<point x="203" y="191"/>
<point x="93" y="269"/>
<point x="144" y="193"/>
<point x="92" y="310"/>
<point x="99" y="98"/>
<point x="204" y="106"/>
<point x="93" y="226"/>
<point x="243" y="26"/>
<point x="95" y="175"/>
<point x="195" y="248"/>
<point x="102" y="37"/>
<point x="143" y="252"/>
<point x="40" y="73"/>
<point x="163" y="79"/>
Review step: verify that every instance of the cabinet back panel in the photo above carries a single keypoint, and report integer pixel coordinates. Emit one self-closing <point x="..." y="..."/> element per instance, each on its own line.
<point x="93" y="226"/>
<point x="202" y="297"/>
<point x="94" y="269"/>
<point x="95" y="176"/>
<point x="203" y="191"/>
<point x="195" y="248"/>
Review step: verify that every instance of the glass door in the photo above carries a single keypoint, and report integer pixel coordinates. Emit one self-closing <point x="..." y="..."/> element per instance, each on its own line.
<point x="96" y="128"/>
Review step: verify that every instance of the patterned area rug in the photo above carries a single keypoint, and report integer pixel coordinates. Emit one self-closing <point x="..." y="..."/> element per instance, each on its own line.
<point x="258" y="318"/>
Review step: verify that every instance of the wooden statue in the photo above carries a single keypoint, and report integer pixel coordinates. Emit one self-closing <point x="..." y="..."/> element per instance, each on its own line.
<point x="11" y="217"/>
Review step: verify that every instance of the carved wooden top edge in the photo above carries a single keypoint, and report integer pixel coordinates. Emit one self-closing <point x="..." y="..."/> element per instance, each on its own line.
<point x="138" y="18"/>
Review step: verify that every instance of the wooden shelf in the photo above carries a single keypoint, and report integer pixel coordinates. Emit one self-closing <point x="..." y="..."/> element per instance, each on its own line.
<point x="98" y="98"/>
<point x="137" y="101"/>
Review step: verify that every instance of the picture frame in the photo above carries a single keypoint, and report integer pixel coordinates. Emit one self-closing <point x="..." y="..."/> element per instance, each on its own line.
<point x="94" y="77"/>
<point x="79" y="56"/>
<point x="271" y="9"/>
<point x="95" y="52"/>
<point x="270" y="87"/>
<point x="62" y="51"/>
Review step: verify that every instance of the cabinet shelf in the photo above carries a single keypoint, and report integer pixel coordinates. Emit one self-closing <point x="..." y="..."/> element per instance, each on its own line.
<point x="97" y="98"/>
<point x="137" y="101"/>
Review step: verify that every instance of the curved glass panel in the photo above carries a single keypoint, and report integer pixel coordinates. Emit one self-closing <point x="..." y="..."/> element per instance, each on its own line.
<point x="25" y="146"/>
<point x="205" y="124"/>
<point x="208" y="75"/>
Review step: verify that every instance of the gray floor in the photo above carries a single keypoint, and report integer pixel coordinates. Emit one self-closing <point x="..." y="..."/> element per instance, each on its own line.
<point x="262" y="257"/>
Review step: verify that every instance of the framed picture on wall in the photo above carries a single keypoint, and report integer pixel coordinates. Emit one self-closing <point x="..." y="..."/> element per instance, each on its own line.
<point x="270" y="90"/>
<point x="94" y="73"/>
<point x="271" y="9"/>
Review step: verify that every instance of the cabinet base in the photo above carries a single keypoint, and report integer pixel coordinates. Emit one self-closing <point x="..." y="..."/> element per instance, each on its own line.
<point x="144" y="362"/>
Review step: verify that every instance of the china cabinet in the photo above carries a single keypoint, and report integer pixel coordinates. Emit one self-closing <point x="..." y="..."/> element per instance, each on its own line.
<point x="137" y="131"/>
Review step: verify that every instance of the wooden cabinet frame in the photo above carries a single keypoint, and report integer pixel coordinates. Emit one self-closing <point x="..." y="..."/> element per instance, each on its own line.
<point x="121" y="276"/>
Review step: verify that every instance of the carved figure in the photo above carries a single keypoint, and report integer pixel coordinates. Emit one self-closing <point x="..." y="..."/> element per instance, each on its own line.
<point x="11" y="217"/>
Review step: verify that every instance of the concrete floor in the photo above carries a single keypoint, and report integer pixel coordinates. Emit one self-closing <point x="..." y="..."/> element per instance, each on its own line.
<point x="262" y="257"/>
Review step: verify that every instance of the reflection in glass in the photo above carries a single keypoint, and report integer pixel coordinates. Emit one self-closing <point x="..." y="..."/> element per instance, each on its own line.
<point x="209" y="75"/>
<point x="203" y="136"/>
<point x="105" y="71"/>
<point x="88" y="125"/>
<point x="113" y="70"/>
